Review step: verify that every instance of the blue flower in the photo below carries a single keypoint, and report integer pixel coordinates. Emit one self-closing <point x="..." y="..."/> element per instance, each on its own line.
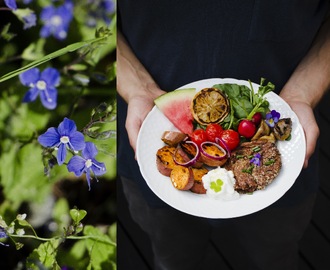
<point x="11" y="4"/>
<point x="272" y="118"/>
<point x="29" y="20"/>
<point x="56" y="20"/>
<point x="62" y="138"/>
<point x="87" y="163"/>
<point x="3" y="234"/>
<point x="256" y="159"/>
<point x="42" y="84"/>
<point x="100" y="10"/>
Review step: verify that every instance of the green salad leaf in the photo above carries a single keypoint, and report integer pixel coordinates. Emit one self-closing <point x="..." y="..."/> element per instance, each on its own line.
<point x="245" y="101"/>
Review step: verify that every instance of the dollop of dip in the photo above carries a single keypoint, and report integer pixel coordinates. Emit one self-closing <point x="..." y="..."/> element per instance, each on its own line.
<point x="219" y="184"/>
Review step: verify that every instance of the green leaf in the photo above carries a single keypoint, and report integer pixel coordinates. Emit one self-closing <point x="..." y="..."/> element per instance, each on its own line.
<point x="5" y="34"/>
<point x="24" y="223"/>
<point x="60" y="213"/>
<point x="77" y="215"/>
<point x="45" y="255"/>
<point x="101" y="249"/>
<point x="21" y="169"/>
<point x="35" y="50"/>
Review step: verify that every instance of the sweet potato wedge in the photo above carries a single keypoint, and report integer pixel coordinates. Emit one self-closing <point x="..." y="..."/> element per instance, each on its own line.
<point x="173" y="138"/>
<point x="182" y="177"/>
<point x="164" y="160"/>
<point x="198" y="186"/>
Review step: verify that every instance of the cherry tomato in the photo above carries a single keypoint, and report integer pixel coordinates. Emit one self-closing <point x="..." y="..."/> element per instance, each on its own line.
<point x="213" y="131"/>
<point x="198" y="136"/>
<point x="246" y="128"/>
<point x="256" y="118"/>
<point x="231" y="138"/>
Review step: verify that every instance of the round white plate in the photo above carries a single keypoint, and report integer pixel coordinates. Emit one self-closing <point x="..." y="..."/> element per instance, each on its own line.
<point x="149" y="141"/>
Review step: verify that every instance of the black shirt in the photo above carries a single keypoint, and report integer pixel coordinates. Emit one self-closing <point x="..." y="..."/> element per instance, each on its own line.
<point x="183" y="41"/>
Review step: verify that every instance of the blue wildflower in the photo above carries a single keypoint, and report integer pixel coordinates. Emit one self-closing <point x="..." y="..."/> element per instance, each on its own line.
<point x="100" y="10"/>
<point x="43" y="84"/>
<point x="30" y="20"/>
<point x="3" y="234"/>
<point x="256" y="159"/>
<point x="56" y="20"/>
<point x="62" y="138"/>
<point x="11" y="4"/>
<point x="272" y="118"/>
<point x="87" y="163"/>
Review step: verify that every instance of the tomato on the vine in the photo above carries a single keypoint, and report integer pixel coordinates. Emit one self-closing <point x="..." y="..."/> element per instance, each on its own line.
<point x="230" y="138"/>
<point x="198" y="136"/>
<point x="246" y="128"/>
<point x="213" y="131"/>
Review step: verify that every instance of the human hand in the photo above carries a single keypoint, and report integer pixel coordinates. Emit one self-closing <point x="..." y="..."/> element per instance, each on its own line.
<point x="306" y="117"/>
<point x="138" y="108"/>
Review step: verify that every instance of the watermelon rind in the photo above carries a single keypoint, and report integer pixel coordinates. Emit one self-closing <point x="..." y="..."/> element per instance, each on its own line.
<point x="176" y="106"/>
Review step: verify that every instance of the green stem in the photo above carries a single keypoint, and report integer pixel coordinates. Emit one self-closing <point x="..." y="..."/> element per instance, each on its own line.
<point x="70" y="48"/>
<point x="68" y="237"/>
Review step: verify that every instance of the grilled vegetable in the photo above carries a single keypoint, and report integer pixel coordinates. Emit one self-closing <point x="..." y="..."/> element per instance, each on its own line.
<point x="182" y="177"/>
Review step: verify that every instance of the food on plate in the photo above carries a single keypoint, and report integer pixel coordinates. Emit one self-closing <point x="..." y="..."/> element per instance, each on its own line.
<point x="212" y="154"/>
<point x="255" y="165"/>
<point x="173" y="138"/>
<point x="198" y="186"/>
<point x="182" y="177"/>
<point x="226" y="143"/>
<point x="219" y="184"/>
<point x="210" y="105"/>
<point x="176" y="106"/>
<point x="198" y="136"/>
<point x="246" y="128"/>
<point x="213" y="131"/>
<point x="164" y="159"/>
<point x="229" y="138"/>
<point x="283" y="128"/>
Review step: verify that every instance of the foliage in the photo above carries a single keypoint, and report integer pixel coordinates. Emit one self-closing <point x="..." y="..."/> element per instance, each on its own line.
<point x="77" y="41"/>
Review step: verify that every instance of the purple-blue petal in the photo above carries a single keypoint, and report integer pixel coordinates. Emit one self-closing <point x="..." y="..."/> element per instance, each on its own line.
<point x="51" y="76"/>
<point x="88" y="178"/>
<point x="77" y="141"/>
<point x="66" y="13"/>
<point x="90" y="150"/>
<point x="67" y="127"/>
<point x="29" y="20"/>
<point x="50" y="138"/>
<point x="45" y="31"/>
<point x="31" y="95"/>
<point x="61" y="154"/>
<point x="30" y="76"/>
<point x="98" y="168"/>
<point x="76" y="165"/>
<point x="11" y="4"/>
<point x="47" y="13"/>
<point x="49" y="98"/>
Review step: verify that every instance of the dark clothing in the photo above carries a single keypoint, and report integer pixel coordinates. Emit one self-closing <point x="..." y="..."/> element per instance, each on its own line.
<point x="183" y="41"/>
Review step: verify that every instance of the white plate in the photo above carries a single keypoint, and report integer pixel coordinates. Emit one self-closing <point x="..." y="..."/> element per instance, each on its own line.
<point x="149" y="141"/>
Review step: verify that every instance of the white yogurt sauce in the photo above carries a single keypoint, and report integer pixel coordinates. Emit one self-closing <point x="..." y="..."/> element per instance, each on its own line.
<point x="219" y="184"/>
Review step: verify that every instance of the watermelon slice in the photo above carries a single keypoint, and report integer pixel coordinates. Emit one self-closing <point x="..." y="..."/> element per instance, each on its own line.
<point x="176" y="106"/>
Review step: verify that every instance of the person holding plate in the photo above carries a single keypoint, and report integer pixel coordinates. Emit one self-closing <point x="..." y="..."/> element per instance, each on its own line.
<point x="163" y="45"/>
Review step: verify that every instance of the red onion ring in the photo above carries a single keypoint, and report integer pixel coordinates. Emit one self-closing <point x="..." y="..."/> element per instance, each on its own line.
<point x="192" y="161"/>
<point x="210" y="156"/>
<point x="219" y="140"/>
